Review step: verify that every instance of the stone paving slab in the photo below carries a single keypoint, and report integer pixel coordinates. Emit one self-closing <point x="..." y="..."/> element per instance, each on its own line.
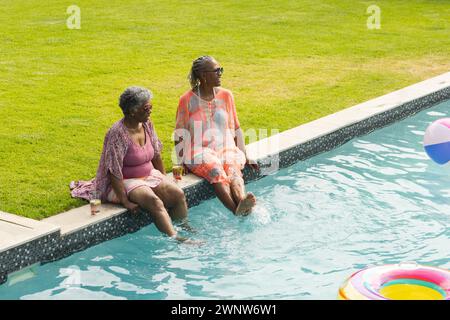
<point x="79" y="218"/>
<point x="16" y="230"/>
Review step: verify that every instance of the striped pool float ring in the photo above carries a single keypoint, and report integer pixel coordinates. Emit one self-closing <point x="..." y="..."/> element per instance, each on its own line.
<point x="404" y="281"/>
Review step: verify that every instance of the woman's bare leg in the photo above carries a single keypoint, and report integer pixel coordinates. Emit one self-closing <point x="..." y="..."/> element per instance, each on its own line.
<point x="237" y="189"/>
<point x="245" y="201"/>
<point x="173" y="198"/>
<point x="148" y="200"/>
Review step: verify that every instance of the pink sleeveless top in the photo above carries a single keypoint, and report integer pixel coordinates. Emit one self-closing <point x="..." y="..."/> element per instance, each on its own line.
<point x="137" y="162"/>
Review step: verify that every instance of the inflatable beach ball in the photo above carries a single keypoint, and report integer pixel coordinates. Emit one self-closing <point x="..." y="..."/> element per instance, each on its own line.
<point x="437" y="141"/>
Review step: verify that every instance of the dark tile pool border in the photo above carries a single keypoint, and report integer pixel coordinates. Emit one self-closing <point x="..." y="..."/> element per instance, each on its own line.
<point x="55" y="246"/>
<point x="27" y="254"/>
<point x="92" y="235"/>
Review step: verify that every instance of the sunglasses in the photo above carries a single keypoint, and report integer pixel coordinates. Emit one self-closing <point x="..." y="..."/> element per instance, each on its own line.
<point x="218" y="71"/>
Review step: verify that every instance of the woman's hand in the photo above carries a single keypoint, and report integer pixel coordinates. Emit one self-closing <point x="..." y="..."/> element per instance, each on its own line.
<point x="119" y="189"/>
<point x="131" y="206"/>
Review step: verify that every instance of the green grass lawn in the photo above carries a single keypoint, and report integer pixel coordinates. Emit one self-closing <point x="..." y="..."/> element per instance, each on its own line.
<point x="287" y="63"/>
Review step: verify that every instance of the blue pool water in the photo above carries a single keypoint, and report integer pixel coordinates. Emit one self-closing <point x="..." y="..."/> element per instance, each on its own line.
<point x="376" y="200"/>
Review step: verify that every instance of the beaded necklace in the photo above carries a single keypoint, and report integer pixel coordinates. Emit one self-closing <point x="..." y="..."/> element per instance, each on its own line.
<point x="210" y="104"/>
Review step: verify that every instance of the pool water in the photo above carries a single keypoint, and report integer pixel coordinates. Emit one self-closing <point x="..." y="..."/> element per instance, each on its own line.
<point x="376" y="200"/>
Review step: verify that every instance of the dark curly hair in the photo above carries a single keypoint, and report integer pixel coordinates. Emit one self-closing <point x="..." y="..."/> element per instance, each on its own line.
<point x="197" y="66"/>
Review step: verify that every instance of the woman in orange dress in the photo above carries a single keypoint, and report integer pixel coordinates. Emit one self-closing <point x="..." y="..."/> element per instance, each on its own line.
<point x="208" y="138"/>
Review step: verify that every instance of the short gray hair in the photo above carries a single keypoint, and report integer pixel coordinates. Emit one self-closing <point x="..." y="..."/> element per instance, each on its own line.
<point x="133" y="97"/>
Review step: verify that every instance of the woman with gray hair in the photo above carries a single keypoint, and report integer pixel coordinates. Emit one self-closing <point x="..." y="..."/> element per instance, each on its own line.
<point x="131" y="171"/>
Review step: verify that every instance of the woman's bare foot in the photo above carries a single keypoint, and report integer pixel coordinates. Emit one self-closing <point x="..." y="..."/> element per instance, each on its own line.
<point x="245" y="205"/>
<point x="185" y="240"/>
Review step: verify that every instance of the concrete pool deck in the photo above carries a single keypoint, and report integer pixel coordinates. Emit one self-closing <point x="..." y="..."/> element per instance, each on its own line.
<point x="15" y="230"/>
<point x="24" y="242"/>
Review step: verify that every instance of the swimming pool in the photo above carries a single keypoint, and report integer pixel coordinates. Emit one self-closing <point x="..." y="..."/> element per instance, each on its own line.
<point x="377" y="199"/>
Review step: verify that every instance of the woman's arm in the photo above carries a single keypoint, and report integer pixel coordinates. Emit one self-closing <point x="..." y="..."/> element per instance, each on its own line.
<point x="119" y="189"/>
<point x="158" y="163"/>
<point x="182" y="135"/>
<point x="240" y="143"/>
<point x="239" y="140"/>
<point x="179" y="150"/>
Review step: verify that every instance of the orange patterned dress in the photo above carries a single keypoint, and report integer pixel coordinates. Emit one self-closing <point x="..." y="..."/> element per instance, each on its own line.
<point x="208" y="129"/>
